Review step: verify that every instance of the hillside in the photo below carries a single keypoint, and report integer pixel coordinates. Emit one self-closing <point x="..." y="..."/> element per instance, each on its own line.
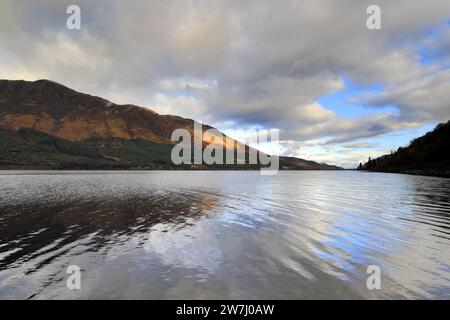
<point x="29" y="148"/>
<point x="32" y="149"/>
<point x="65" y="113"/>
<point x="291" y="163"/>
<point x="47" y="125"/>
<point x="427" y="155"/>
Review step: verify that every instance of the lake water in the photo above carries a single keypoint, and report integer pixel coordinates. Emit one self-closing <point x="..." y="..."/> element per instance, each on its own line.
<point x="223" y="235"/>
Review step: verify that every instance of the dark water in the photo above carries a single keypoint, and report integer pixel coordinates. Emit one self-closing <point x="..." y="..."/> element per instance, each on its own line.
<point x="214" y="235"/>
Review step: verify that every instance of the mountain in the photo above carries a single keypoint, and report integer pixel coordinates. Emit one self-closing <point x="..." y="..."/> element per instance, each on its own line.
<point x="427" y="155"/>
<point x="65" y="113"/>
<point x="291" y="163"/>
<point x="44" y="124"/>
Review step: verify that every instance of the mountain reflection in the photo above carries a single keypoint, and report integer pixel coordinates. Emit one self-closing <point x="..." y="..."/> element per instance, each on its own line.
<point x="29" y="231"/>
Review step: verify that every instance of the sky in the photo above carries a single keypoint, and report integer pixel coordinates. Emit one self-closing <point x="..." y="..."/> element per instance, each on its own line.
<point x="337" y="91"/>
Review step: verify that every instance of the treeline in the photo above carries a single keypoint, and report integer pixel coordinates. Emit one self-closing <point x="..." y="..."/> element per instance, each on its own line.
<point x="429" y="153"/>
<point x="29" y="148"/>
<point x="33" y="149"/>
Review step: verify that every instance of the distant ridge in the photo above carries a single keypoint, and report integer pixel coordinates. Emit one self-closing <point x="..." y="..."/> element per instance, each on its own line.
<point x="65" y="125"/>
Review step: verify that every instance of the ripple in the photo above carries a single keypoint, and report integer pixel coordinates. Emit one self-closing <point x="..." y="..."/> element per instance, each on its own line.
<point x="223" y="234"/>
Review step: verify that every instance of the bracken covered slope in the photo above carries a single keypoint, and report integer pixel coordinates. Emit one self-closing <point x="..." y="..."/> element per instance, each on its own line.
<point x="65" y="113"/>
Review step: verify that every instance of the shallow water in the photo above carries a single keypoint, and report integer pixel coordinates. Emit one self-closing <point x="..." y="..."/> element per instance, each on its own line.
<point x="223" y="235"/>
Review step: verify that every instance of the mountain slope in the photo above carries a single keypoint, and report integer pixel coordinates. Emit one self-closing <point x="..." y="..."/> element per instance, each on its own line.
<point x="291" y="163"/>
<point x="65" y="113"/>
<point x="427" y="155"/>
<point x="123" y="136"/>
<point x="28" y="148"/>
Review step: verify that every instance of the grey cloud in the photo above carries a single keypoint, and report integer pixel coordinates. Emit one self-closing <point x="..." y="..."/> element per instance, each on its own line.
<point x="346" y="130"/>
<point x="359" y="145"/>
<point x="242" y="62"/>
<point x="426" y="98"/>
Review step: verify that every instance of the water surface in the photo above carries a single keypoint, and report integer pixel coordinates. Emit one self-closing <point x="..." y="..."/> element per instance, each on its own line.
<point x="223" y="235"/>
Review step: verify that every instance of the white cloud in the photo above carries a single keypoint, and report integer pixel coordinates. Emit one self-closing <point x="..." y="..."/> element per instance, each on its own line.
<point x="241" y="63"/>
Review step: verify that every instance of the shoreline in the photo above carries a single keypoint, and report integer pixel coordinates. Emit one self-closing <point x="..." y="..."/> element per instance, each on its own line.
<point x="414" y="172"/>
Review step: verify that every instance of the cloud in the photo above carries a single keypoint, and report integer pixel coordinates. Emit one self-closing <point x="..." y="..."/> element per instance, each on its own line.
<point x="364" y="145"/>
<point x="243" y="63"/>
<point x="426" y="98"/>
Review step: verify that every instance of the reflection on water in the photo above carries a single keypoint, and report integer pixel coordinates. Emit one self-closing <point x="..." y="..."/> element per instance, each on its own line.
<point x="223" y="235"/>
